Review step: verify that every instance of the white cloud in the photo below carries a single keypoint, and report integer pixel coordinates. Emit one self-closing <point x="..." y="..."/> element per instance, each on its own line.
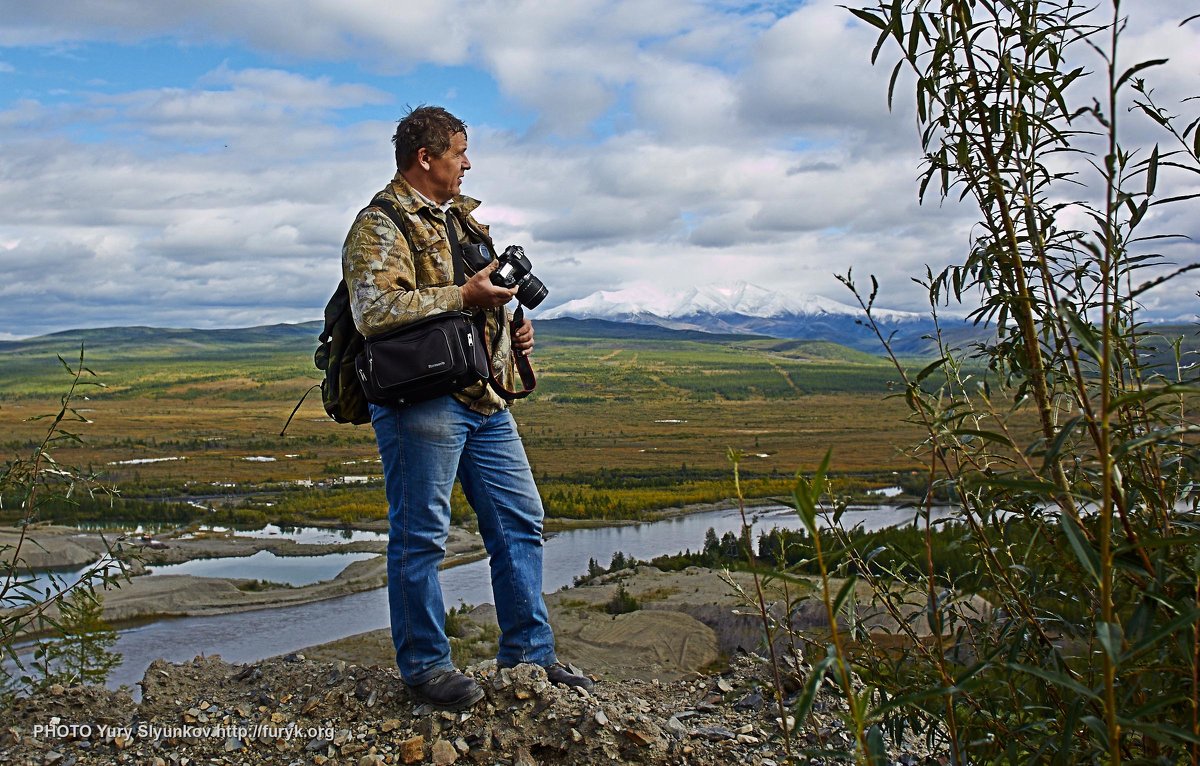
<point x="674" y="142"/>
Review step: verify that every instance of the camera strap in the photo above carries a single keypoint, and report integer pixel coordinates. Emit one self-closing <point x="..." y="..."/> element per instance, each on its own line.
<point x="524" y="368"/>
<point x="521" y="362"/>
<point x="456" y="256"/>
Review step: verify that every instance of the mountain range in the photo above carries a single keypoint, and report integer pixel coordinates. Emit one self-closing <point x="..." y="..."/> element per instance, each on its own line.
<point x="743" y="308"/>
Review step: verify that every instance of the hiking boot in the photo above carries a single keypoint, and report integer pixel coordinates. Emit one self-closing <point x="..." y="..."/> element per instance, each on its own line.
<point x="449" y="690"/>
<point x="559" y="673"/>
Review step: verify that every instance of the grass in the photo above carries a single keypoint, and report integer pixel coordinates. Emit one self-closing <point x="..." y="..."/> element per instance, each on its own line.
<point x="659" y="411"/>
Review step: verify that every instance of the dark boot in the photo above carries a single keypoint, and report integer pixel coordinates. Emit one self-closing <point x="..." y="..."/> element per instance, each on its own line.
<point x="450" y="690"/>
<point x="559" y="673"/>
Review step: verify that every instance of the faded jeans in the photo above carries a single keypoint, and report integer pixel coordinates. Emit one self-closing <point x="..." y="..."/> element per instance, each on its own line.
<point x="423" y="447"/>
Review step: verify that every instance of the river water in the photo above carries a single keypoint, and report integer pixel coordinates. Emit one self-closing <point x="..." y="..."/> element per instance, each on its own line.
<point x="250" y="636"/>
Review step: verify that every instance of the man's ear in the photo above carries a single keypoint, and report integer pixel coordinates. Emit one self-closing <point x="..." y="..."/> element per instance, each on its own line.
<point x="423" y="158"/>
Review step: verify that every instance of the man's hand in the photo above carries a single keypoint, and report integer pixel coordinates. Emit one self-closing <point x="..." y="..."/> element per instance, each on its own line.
<point x="522" y="341"/>
<point x="480" y="292"/>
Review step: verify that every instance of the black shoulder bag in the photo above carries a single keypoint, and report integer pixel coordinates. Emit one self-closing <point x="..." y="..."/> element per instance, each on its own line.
<point x="434" y="356"/>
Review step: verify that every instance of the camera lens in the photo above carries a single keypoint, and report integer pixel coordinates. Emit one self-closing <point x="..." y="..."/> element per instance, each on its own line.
<point x="476" y="256"/>
<point x="531" y="292"/>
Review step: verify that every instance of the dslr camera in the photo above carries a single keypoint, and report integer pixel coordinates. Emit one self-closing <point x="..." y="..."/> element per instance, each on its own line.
<point x="514" y="270"/>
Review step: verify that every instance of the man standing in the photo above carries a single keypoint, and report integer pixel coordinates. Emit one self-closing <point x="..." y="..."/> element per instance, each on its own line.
<point x="396" y="277"/>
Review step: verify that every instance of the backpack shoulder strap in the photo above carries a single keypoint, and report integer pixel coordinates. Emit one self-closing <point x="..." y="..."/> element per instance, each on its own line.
<point x="392" y="212"/>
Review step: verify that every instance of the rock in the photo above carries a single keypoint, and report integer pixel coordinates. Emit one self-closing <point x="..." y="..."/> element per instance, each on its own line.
<point x="443" y="753"/>
<point x="638" y="738"/>
<point x="621" y="721"/>
<point x="676" y="727"/>
<point x="317" y="745"/>
<point x="412" y="750"/>
<point x="752" y="701"/>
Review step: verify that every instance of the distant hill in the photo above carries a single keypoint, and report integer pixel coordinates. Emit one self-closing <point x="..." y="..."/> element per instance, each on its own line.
<point x="569" y="327"/>
<point x="136" y="361"/>
<point x="104" y="341"/>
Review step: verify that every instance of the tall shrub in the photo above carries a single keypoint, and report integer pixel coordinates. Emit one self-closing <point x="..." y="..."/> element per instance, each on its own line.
<point x="1074" y="418"/>
<point x="67" y="610"/>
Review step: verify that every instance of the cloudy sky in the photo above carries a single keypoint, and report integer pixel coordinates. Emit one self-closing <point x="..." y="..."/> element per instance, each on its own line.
<point x="198" y="163"/>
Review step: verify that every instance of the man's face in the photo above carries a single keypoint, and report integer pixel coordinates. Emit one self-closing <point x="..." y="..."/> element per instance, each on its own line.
<point x="446" y="172"/>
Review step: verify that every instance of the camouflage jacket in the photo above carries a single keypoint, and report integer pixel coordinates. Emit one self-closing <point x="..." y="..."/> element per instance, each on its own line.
<point x="390" y="286"/>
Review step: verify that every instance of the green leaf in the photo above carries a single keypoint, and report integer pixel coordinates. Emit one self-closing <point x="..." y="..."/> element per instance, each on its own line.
<point x="1111" y="637"/>
<point x="991" y="436"/>
<point x="1152" y="172"/>
<point x="1147" y="394"/>
<point x="876" y="749"/>
<point x="1058" y="679"/>
<point x="1131" y="71"/>
<point x="804" y="704"/>
<point x="930" y="368"/>
<point x="869" y="17"/>
<point x="1085" y="334"/>
<point x="1021" y="485"/>
<point x="846" y="591"/>
<point x="1157" y="435"/>
<point x="1083" y="549"/>
<point x="1060" y="439"/>
<point x="1163" y="731"/>
<point x="1166" y="631"/>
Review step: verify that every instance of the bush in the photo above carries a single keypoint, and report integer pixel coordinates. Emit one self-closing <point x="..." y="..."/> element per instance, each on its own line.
<point x="1073" y="456"/>
<point x="622" y="602"/>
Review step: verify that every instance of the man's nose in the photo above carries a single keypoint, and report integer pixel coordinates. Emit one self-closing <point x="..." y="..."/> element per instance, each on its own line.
<point x="466" y="163"/>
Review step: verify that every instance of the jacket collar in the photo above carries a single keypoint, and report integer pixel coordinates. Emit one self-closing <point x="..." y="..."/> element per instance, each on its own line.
<point x="412" y="202"/>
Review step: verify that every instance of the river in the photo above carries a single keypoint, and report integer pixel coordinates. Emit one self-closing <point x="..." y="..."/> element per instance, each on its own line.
<point x="249" y="636"/>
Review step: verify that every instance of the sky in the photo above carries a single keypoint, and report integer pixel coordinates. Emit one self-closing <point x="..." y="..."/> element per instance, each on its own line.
<point x="197" y="164"/>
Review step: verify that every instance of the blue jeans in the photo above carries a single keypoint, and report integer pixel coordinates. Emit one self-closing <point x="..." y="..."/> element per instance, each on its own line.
<point x="423" y="447"/>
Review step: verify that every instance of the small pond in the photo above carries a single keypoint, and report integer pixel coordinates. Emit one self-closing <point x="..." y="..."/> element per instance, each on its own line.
<point x="265" y="565"/>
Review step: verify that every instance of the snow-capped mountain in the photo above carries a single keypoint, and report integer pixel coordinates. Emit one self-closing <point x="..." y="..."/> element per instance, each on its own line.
<point x="738" y="308"/>
<point x="739" y="298"/>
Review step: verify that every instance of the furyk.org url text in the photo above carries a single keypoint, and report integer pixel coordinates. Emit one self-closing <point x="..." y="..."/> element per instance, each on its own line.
<point x="56" y="729"/>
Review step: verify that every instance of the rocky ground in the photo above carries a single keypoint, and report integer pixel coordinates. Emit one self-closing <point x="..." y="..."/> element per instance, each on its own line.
<point x="666" y="694"/>
<point x="677" y="684"/>
<point x="293" y="710"/>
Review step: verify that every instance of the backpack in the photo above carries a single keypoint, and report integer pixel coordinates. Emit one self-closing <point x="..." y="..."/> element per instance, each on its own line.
<point x="340" y="342"/>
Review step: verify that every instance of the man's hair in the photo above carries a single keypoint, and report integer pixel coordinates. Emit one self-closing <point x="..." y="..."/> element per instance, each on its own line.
<point x="427" y="126"/>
